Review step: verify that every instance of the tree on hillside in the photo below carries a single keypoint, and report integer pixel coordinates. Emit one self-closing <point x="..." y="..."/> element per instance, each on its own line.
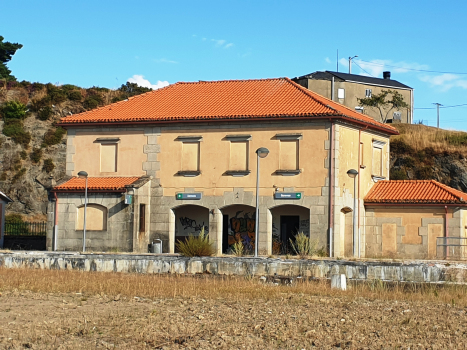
<point x="384" y="102"/>
<point x="7" y="50"/>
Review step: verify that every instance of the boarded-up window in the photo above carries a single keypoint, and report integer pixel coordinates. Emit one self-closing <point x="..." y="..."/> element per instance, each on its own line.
<point x="389" y="240"/>
<point x="108" y="157"/>
<point x="96" y="218"/>
<point x="190" y="156"/>
<point x="289" y="155"/>
<point x="238" y="155"/>
<point x="362" y="161"/>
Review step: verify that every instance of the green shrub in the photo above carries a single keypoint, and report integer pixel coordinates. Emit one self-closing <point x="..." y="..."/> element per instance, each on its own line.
<point x="48" y="166"/>
<point x="13" y="110"/>
<point x="54" y="137"/>
<point x="13" y="219"/>
<point x="3" y="177"/>
<point x="117" y="99"/>
<point x="69" y="87"/>
<point x="45" y="113"/>
<point x="74" y="95"/>
<point x="238" y="249"/>
<point x="23" y="154"/>
<point x="303" y="246"/>
<point x="398" y="146"/>
<point x="36" y="155"/>
<point x="92" y="102"/>
<point x="196" y="245"/>
<point x="37" y="105"/>
<point x="18" y="175"/>
<point x="14" y="128"/>
<point x="397" y="174"/>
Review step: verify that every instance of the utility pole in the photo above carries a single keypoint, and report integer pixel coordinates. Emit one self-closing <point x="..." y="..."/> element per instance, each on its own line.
<point x="437" y="108"/>
<point x="350" y="63"/>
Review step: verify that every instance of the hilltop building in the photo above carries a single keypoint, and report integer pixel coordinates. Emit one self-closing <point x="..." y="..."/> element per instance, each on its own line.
<point x="346" y="88"/>
<point x="168" y="163"/>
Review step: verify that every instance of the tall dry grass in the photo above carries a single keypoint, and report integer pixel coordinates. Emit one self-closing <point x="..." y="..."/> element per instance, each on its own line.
<point x="420" y="137"/>
<point x="231" y="288"/>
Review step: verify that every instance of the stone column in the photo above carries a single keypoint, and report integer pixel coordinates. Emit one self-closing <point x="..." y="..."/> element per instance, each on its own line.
<point x="215" y="229"/>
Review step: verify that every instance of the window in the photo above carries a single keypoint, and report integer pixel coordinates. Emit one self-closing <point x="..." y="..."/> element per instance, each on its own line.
<point x="142" y="218"/>
<point x="362" y="160"/>
<point x="96" y="217"/>
<point x="288" y="154"/>
<point x="108" y="154"/>
<point x="341" y="93"/>
<point x="397" y="116"/>
<point x="239" y="149"/>
<point x="190" y="155"/>
<point x="377" y="170"/>
<point x="368" y="93"/>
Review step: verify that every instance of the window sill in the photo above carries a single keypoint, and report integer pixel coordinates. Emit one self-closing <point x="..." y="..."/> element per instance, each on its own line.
<point x="237" y="173"/>
<point x="188" y="173"/>
<point x="377" y="178"/>
<point x="288" y="172"/>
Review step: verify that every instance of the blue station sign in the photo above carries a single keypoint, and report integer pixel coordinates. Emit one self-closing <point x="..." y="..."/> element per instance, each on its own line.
<point x="288" y="195"/>
<point x="192" y="196"/>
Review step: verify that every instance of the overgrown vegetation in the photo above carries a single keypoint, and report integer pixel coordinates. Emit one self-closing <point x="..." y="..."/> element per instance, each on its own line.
<point x="196" y="245"/>
<point x="53" y="136"/>
<point x="13" y="219"/>
<point x="13" y="113"/>
<point x="238" y="249"/>
<point x="48" y="166"/>
<point x="36" y="155"/>
<point x="130" y="89"/>
<point x="18" y="175"/>
<point x="303" y="246"/>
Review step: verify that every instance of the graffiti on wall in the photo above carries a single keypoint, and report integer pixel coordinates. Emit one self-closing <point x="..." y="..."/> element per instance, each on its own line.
<point x="242" y="229"/>
<point x="192" y="225"/>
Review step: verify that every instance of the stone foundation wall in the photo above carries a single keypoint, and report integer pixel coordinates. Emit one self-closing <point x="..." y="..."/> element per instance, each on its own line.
<point x="407" y="271"/>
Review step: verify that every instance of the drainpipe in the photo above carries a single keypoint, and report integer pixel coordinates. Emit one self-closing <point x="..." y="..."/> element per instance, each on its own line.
<point x="332" y="89"/>
<point x="331" y="190"/>
<point x="446" y="232"/>
<point x="55" y="221"/>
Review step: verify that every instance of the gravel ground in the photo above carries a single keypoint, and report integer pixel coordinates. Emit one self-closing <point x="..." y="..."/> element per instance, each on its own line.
<point x="290" y="321"/>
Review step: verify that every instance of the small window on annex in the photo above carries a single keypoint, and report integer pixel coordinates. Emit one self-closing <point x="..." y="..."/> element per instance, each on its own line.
<point x="289" y="154"/>
<point x="367" y="93"/>
<point x="377" y="169"/>
<point x="239" y="150"/>
<point x="96" y="218"/>
<point x="190" y="155"/>
<point x="108" y="154"/>
<point x="341" y="93"/>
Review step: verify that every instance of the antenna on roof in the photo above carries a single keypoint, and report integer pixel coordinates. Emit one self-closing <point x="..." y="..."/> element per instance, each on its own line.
<point x="338" y="60"/>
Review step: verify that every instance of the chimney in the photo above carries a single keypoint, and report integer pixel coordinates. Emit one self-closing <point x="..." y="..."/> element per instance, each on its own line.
<point x="387" y="75"/>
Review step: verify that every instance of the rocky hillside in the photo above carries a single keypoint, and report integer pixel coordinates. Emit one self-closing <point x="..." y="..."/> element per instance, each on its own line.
<point x="32" y="148"/>
<point x="422" y="153"/>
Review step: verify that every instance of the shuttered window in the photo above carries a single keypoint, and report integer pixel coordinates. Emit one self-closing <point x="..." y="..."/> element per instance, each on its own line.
<point x="109" y="157"/>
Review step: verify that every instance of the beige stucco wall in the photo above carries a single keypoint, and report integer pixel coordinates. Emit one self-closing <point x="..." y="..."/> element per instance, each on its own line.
<point x="84" y="153"/>
<point x="215" y="157"/>
<point x="404" y="231"/>
<point x="357" y="90"/>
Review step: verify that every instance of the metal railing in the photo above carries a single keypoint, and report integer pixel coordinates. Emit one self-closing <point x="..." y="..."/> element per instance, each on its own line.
<point x="26" y="229"/>
<point x="451" y="247"/>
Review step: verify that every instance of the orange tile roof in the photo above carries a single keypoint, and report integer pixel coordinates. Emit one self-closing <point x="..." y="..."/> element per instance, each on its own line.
<point x="414" y="192"/>
<point x="221" y="100"/>
<point x="96" y="184"/>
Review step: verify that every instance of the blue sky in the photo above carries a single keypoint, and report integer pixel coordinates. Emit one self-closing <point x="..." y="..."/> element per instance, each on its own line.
<point x="105" y="43"/>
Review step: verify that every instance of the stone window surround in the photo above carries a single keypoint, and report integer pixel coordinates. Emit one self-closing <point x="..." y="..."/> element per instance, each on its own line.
<point x="191" y="139"/>
<point x="239" y="138"/>
<point x="289" y="137"/>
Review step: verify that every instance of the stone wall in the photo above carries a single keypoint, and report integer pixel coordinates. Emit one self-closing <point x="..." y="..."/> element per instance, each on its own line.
<point x="403" y="271"/>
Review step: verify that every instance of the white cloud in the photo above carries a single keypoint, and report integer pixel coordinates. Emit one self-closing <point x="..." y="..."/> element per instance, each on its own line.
<point x="376" y="67"/>
<point x="139" y="79"/>
<point x="327" y="60"/>
<point x="445" y="81"/>
<point x="220" y="42"/>
<point x="164" y="60"/>
<point x="228" y="45"/>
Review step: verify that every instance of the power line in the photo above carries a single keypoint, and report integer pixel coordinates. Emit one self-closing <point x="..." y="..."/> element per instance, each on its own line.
<point x="363" y="70"/>
<point x="464" y="104"/>
<point x="417" y="70"/>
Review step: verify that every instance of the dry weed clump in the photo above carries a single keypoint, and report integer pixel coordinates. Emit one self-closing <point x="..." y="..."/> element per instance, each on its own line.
<point x="418" y="137"/>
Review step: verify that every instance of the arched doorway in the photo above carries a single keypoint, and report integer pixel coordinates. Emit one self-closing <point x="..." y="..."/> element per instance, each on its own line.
<point x="287" y="221"/>
<point x="190" y="220"/>
<point x="238" y="225"/>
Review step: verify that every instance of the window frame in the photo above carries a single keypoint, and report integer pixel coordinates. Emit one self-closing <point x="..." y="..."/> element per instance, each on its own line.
<point x="290" y="137"/>
<point x="190" y="139"/>
<point x="240" y="138"/>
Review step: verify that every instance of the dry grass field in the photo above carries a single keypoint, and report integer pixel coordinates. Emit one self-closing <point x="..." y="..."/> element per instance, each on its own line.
<point x="43" y="309"/>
